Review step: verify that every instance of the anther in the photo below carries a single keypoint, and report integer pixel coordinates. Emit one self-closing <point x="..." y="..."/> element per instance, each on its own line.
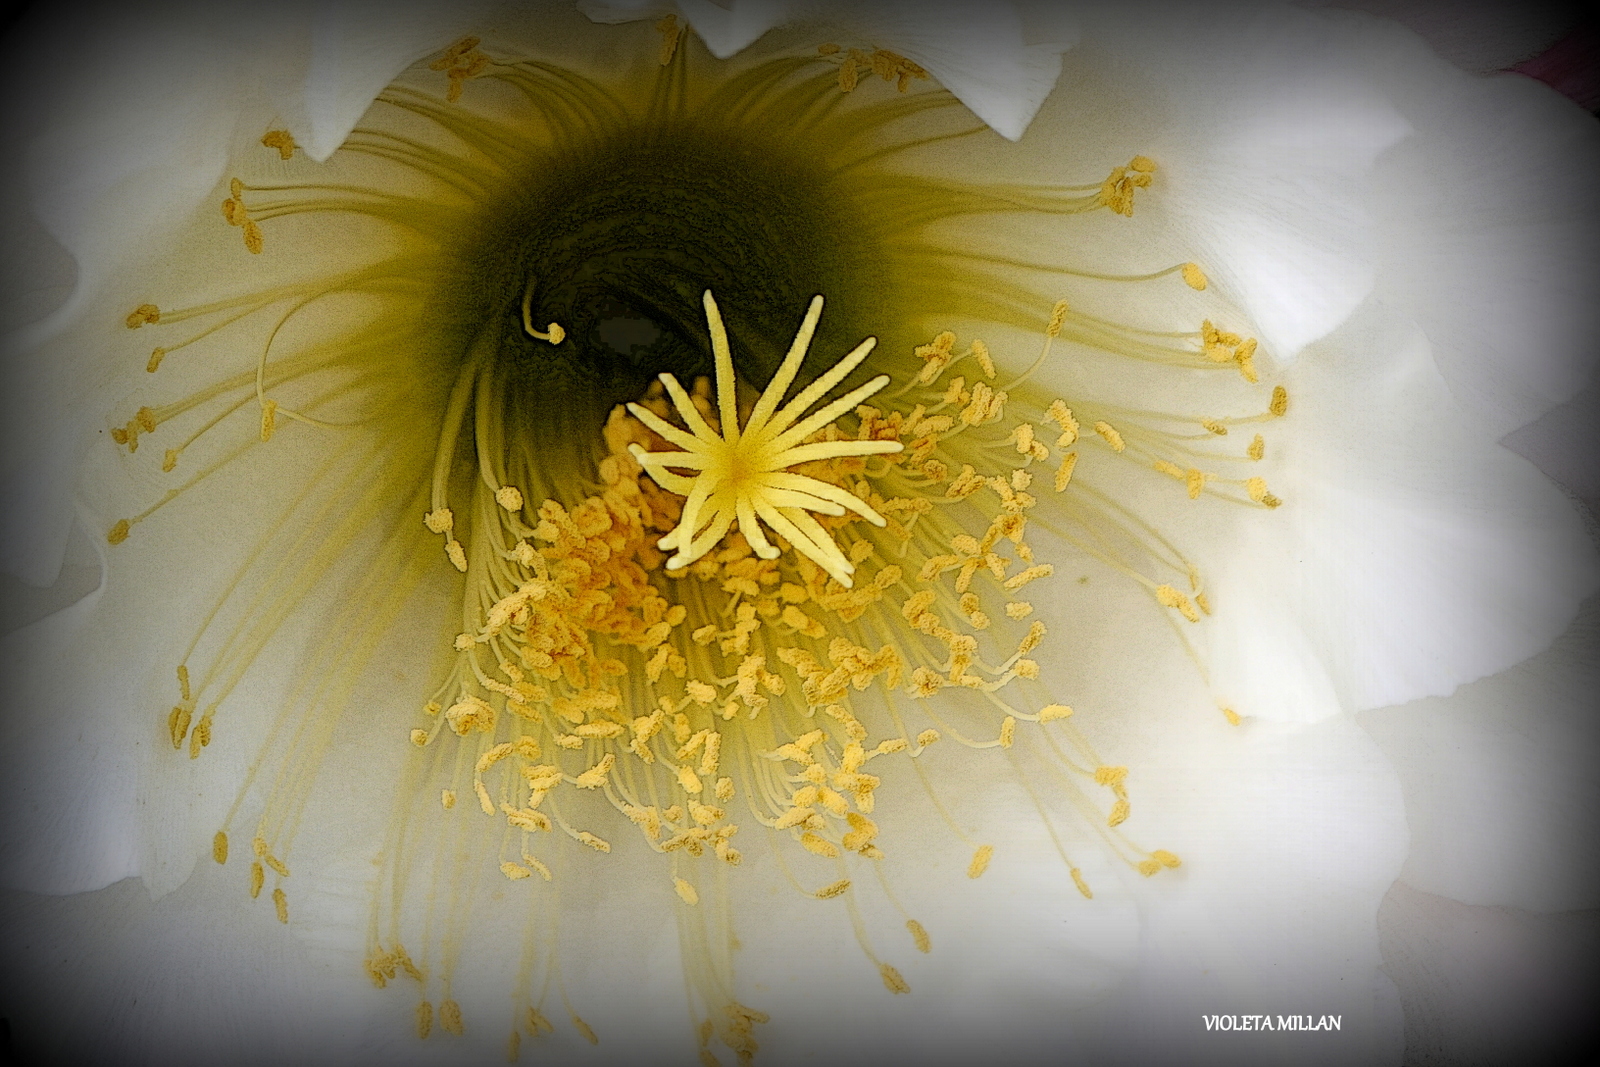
<point x="281" y="140"/>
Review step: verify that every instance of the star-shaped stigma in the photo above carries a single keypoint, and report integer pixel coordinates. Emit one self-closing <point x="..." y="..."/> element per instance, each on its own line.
<point x="744" y="474"/>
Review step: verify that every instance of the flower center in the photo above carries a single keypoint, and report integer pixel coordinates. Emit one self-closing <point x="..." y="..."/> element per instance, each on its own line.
<point x="684" y="595"/>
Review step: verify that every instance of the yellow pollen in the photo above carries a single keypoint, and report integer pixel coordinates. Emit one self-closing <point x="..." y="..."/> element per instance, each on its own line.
<point x="1052" y="712"/>
<point x="280" y="901"/>
<point x="1280" y="401"/>
<point x="450" y="1017"/>
<point x="686" y="892"/>
<point x="281" y="140"/>
<point x="424" y="1020"/>
<point x="919" y="935"/>
<point x="670" y="33"/>
<point x="219" y="847"/>
<point x="459" y="62"/>
<point x="1116" y="192"/>
<point x="269" y="419"/>
<point x="1194" y="277"/>
<point x="1111" y="436"/>
<point x="1058" y="318"/>
<point x="509" y="497"/>
<point x="118" y="532"/>
<point x="143" y="315"/>
<point x="980" y="861"/>
<point x="892" y="980"/>
<point x="833" y="889"/>
<point x="742" y="473"/>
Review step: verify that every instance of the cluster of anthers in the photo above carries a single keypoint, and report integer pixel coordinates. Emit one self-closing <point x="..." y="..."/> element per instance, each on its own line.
<point x="597" y="668"/>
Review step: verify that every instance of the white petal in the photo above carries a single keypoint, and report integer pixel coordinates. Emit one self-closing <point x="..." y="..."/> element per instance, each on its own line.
<point x="1272" y="130"/>
<point x="358" y="47"/>
<point x="115" y="977"/>
<point x="68" y="786"/>
<point x="1499" y="780"/>
<point x="1482" y="37"/>
<point x="1299" y="834"/>
<point x="1412" y="553"/>
<point x="998" y="60"/>
<point x="977" y="50"/>
<point x="1489" y="985"/>
<point x="1491" y="232"/>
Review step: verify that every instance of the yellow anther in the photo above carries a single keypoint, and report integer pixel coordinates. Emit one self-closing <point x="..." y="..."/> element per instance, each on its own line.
<point x="833" y="889"/>
<point x="595" y="776"/>
<point x="919" y="935"/>
<point x="537" y="1024"/>
<point x="1148" y="867"/>
<point x="424" y="1020"/>
<point x="258" y="877"/>
<point x="457" y="555"/>
<point x="1052" y="712"/>
<point x="1194" y="277"/>
<point x="892" y="981"/>
<point x="1109" y="775"/>
<point x="219" y="847"/>
<point x="447" y="799"/>
<point x="154" y="363"/>
<point x="118" y="532"/>
<point x="515" y="871"/>
<point x="980" y="861"/>
<point x="584" y="1029"/>
<point x="1280" y="401"/>
<point x="143" y="315"/>
<point x="183" y="683"/>
<point x="1083" y="886"/>
<point x="169" y="460"/>
<point x="1258" y="447"/>
<point x="1233" y="717"/>
<point x="1165" y="858"/>
<point x="927" y="737"/>
<point x="419" y="738"/>
<point x="686" y="892"/>
<point x="818" y="845"/>
<point x="1169" y="597"/>
<point x="269" y="419"/>
<point x="670" y="33"/>
<point x="483" y="798"/>
<point x="1119" y="813"/>
<point x="1116" y="192"/>
<point x="441" y="521"/>
<point x="509" y="497"/>
<point x="281" y="140"/>
<point x="1018" y="609"/>
<point x="593" y="842"/>
<point x="1111" y="436"/>
<point x="980" y="352"/>
<point x="280" y="903"/>
<point x="1058" y="318"/>
<point x="1008" y="732"/>
<point x="450" y="1017"/>
<point x="1195" y="480"/>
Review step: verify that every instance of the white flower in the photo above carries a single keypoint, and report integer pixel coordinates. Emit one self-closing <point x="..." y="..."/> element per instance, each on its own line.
<point x="1299" y="159"/>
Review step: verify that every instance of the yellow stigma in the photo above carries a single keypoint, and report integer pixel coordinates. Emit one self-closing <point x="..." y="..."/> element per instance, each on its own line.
<point x="744" y="474"/>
